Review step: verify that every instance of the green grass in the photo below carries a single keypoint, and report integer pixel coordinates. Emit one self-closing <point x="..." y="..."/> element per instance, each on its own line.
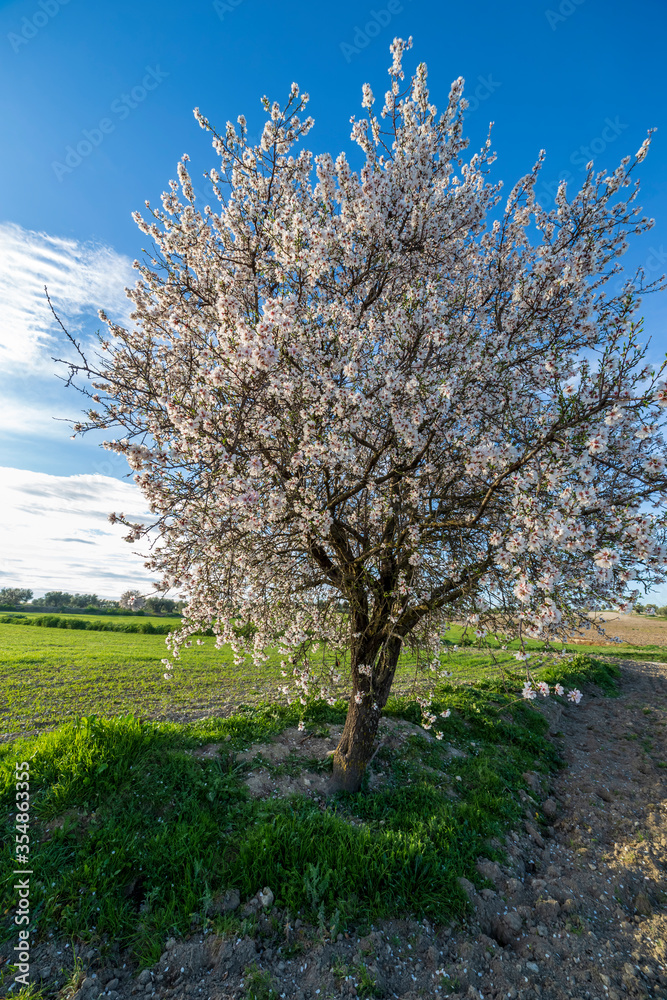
<point x="258" y="985"/>
<point x="132" y="837"/>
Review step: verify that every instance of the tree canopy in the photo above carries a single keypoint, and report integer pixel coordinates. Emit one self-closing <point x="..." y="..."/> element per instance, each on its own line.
<point x="389" y="387"/>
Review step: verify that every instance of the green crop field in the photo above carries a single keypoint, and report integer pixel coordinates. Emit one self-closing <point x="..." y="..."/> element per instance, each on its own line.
<point x="48" y="675"/>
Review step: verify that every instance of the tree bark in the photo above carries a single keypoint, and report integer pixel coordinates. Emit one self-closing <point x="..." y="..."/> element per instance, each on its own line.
<point x="357" y="741"/>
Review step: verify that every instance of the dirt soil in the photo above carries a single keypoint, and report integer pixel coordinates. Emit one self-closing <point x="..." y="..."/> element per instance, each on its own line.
<point x="299" y="758"/>
<point x="579" y="911"/>
<point x="638" y="630"/>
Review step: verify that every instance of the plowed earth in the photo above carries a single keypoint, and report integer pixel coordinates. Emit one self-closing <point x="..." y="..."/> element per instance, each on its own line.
<point x="638" y="630"/>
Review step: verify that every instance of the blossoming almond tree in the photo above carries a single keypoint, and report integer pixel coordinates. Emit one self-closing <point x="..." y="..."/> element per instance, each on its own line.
<point x="383" y="387"/>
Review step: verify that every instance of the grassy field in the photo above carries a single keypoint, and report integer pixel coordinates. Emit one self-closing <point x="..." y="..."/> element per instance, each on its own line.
<point x="48" y="675"/>
<point x="133" y="837"/>
<point x="96" y="623"/>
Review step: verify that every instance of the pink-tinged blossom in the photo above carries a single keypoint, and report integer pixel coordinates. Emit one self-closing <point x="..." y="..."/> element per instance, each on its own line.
<point x="543" y="689"/>
<point x="446" y="714"/>
<point x="559" y="689"/>
<point x="606" y="558"/>
<point x="574" y="696"/>
<point x="596" y="445"/>
<point x="528" y="691"/>
<point x="523" y="590"/>
<point x="661" y="396"/>
<point x="654" y="465"/>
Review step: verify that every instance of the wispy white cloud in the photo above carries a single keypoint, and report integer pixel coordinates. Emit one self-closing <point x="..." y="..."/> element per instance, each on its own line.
<point x="81" y="278"/>
<point x="20" y="417"/>
<point x="54" y="534"/>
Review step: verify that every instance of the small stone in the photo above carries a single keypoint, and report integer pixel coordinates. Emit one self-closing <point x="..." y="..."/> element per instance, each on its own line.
<point x="144" y="977"/>
<point x="507" y="927"/>
<point x="532" y="779"/>
<point x="534" y="834"/>
<point x="432" y="954"/>
<point x="468" y="888"/>
<point x="112" y="994"/>
<point x="514" y="886"/>
<point x="251" y="907"/>
<point x="489" y="869"/>
<point x="550" y="808"/>
<point x="547" y="910"/>
<point x="88" y="984"/>
<point x="532" y="967"/>
<point x="112" y="984"/>
<point x="642" y="904"/>
<point x="605" y="794"/>
<point x="266" y="897"/>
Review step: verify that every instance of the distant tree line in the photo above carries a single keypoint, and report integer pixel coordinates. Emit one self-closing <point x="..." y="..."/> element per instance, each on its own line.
<point x="14" y="598"/>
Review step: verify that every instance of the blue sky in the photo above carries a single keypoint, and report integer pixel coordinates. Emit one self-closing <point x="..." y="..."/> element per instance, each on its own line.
<point x="118" y="82"/>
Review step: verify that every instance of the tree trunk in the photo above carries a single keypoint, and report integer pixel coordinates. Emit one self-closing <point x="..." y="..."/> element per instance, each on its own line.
<point x="357" y="741"/>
